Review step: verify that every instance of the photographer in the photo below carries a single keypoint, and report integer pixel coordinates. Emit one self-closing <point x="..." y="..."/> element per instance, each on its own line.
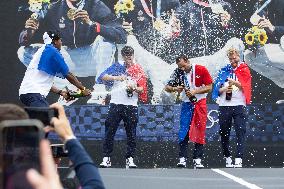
<point x="85" y="169"/>
<point x="193" y="82"/>
<point x="128" y="82"/>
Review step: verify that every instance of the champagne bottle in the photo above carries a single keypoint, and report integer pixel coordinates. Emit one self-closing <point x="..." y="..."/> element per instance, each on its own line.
<point x="191" y="98"/>
<point x="74" y="94"/>
<point x="229" y="94"/>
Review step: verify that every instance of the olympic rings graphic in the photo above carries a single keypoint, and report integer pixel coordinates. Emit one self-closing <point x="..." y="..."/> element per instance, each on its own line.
<point x="212" y="117"/>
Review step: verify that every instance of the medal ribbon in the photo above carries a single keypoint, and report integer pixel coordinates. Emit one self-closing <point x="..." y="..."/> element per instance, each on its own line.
<point x="200" y="2"/>
<point x="150" y="12"/>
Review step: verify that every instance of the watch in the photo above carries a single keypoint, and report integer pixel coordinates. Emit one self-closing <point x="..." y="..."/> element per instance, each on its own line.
<point x="90" y="23"/>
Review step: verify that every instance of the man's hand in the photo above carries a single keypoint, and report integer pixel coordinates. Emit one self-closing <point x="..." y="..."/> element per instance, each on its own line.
<point x="49" y="178"/>
<point x="265" y="23"/>
<point x="178" y="89"/>
<point x="119" y="78"/>
<point x="190" y="93"/>
<point x="61" y="124"/>
<point x="32" y="24"/>
<point x="66" y="96"/>
<point x="83" y="15"/>
<point x="229" y="89"/>
<point x="86" y="92"/>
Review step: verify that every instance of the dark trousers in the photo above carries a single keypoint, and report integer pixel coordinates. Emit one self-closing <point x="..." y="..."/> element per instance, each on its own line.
<point x="34" y="100"/>
<point x="129" y="115"/>
<point x="226" y="115"/>
<point x="183" y="148"/>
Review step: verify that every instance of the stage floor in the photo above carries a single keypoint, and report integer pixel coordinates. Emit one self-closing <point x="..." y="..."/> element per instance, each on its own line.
<point x="254" y="178"/>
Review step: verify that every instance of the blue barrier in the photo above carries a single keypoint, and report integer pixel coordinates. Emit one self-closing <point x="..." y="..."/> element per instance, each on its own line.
<point x="161" y="122"/>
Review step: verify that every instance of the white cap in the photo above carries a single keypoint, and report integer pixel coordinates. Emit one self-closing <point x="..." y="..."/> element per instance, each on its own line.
<point x="46" y="38"/>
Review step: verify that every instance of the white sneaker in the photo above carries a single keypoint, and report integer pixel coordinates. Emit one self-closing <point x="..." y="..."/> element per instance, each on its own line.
<point x="130" y="163"/>
<point x="182" y="162"/>
<point x="229" y="162"/>
<point x="238" y="163"/>
<point x="197" y="163"/>
<point x="106" y="162"/>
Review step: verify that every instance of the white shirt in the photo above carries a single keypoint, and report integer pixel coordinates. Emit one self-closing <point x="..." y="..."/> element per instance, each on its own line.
<point x="238" y="97"/>
<point x="36" y="81"/>
<point x="191" y="83"/>
<point x="119" y="94"/>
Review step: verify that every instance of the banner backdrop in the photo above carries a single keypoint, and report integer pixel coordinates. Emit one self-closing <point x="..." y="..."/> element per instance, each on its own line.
<point x="158" y="30"/>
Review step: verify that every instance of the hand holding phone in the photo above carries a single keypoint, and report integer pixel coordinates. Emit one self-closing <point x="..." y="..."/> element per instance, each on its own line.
<point x="61" y="123"/>
<point x="49" y="178"/>
<point x="44" y="114"/>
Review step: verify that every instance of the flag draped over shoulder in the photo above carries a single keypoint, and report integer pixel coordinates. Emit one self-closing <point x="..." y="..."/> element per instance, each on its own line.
<point x="244" y="77"/>
<point x="221" y="78"/>
<point x="115" y="69"/>
<point x="135" y="72"/>
<point x="243" y="74"/>
<point x="198" y="123"/>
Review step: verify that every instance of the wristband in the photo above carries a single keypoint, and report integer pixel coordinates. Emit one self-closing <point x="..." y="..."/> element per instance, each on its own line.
<point x="68" y="138"/>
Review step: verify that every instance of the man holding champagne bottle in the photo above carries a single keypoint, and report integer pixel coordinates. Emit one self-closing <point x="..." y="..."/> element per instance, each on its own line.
<point x="193" y="82"/>
<point x="232" y="89"/>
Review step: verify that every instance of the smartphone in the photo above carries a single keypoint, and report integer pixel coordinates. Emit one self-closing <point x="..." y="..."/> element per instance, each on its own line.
<point x="44" y="114"/>
<point x="19" y="147"/>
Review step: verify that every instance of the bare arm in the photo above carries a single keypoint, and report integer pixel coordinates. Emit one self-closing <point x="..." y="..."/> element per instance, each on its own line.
<point x="73" y="80"/>
<point x="107" y="77"/>
<point x="203" y="90"/>
<point x="171" y="89"/>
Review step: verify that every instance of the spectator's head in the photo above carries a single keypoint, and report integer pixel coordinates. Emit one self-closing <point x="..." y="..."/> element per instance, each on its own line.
<point x="127" y="53"/>
<point x="12" y="112"/>
<point x="183" y="63"/>
<point x="52" y="37"/>
<point x="234" y="57"/>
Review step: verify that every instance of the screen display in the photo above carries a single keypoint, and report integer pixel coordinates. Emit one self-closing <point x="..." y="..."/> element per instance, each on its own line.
<point x="20" y="153"/>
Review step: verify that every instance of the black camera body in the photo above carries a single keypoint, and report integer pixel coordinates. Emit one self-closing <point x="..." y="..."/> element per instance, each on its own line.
<point x="58" y="150"/>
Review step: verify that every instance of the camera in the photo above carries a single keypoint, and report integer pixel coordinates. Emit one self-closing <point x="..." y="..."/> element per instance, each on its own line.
<point x="44" y="114"/>
<point x="58" y="150"/>
<point x="19" y="145"/>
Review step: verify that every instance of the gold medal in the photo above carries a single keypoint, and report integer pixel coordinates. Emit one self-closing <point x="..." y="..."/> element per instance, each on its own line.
<point x="71" y="13"/>
<point x="159" y="24"/>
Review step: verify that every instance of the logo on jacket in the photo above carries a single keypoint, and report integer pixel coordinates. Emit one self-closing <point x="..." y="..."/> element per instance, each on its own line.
<point x="140" y="16"/>
<point x="61" y="22"/>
